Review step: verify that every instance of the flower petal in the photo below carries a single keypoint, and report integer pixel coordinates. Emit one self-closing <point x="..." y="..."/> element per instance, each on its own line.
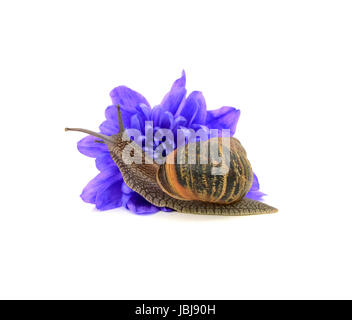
<point x="109" y="197"/>
<point x="254" y="192"/>
<point x="174" y="98"/>
<point x="109" y="127"/>
<point x="255" y="195"/>
<point x="144" y="111"/>
<point x="156" y="111"/>
<point x="136" y="122"/>
<point x="126" y="189"/>
<point x="104" y="161"/>
<point x="89" y="147"/>
<point x="166" y="120"/>
<point x="194" y="109"/>
<point x="139" y="205"/>
<point x="127" y="98"/>
<point x="104" y="178"/>
<point x="223" y="118"/>
<point x="180" y="121"/>
<point x="111" y="114"/>
<point x="255" y="184"/>
<point x="166" y="209"/>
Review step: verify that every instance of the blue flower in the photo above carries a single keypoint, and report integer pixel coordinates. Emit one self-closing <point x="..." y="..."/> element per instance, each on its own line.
<point x="108" y="190"/>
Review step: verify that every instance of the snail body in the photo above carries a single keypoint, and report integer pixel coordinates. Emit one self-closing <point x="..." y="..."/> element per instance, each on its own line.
<point x="189" y="187"/>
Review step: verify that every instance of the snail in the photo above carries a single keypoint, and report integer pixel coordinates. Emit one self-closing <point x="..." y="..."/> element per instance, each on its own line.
<point x="185" y="187"/>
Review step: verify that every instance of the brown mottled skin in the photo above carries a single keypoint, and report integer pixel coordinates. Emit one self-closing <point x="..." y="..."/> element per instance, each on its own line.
<point x="142" y="179"/>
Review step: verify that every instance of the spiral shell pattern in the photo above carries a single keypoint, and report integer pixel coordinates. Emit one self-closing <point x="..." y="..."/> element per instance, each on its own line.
<point x="194" y="178"/>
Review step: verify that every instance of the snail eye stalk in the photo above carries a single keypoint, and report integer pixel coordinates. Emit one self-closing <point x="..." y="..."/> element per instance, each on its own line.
<point x="121" y="126"/>
<point x="103" y="137"/>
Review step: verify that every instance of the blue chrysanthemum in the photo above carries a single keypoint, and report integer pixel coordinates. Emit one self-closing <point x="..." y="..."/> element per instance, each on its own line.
<point x="108" y="190"/>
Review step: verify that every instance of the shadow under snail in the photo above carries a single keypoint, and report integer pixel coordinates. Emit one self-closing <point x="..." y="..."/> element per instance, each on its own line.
<point x="187" y="188"/>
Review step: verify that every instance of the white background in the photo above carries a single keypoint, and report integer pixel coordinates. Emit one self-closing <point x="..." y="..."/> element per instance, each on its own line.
<point x="286" y="64"/>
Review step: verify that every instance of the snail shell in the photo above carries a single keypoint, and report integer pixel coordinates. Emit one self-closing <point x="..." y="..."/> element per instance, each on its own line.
<point x="193" y="179"/>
